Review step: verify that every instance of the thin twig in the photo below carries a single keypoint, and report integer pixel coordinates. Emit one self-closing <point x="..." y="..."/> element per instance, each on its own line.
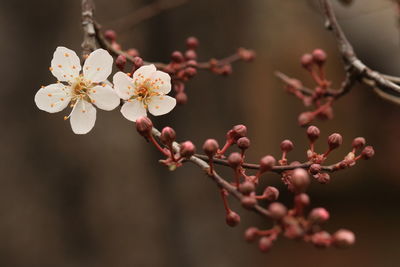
<point x="89" y="32"/>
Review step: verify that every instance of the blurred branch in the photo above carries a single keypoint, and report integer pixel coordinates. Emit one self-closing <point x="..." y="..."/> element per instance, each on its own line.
<point x="144" y="13"/>
<point x="383" y="85"/>
<point x="89" y="32"/>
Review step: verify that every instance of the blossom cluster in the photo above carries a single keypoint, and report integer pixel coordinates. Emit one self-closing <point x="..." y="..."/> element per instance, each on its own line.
<point x="147" y="89"/>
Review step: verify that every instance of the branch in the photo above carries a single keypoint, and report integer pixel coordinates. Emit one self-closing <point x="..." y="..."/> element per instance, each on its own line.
<point x="221" y="183"/>
<point x="89" y="32"/>
<point x="385" y="86"/>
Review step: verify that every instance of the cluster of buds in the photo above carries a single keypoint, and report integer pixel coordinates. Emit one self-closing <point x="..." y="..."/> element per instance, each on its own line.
<point x="293" y="223"/>
<point x="182" y="67"/>
<point x="321" y="98"/>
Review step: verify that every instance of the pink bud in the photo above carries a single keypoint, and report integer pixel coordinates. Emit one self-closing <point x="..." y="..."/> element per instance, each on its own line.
<point x="246" y="188"/>
<point x="177" y="57"/>
<point x="249" y="202"/>
<point x="110" y="35"/>
<point x="271" y="193"/>
<point x="306" y="61"/>
<point x="133" y="52"/>
<point x="246" y="54"/>
<point x="334" y="141"/>
<point x="144" y="126"/>
<point x="266" y="163"/>
<point x="187" y="149"/>
<point x="234" y="160"/>
<point x="243" y="143"/>
<point x="251" y="234"/>
<point x="321" y="239"/>
<point x="168" y="135"/>
<point x="358" y="142"/>
<point x="192" y="42"/>
<point x="305" y="118"/>
<point x="319" y="56"/>
<point x="181" y="98"/>
<point x="302" y="199"/>
<point x="190" y="54"/>
<point x="299" y="180"/>
<point x="344" y="238"/>
<point x="368" y="152"/>
<point x="318" y="215"/>
<point x="120" y="62"/>
<point x="237" y="132"/>
<point x="313" y="133"/>
<point x="314" y="169"/>
<point x="287" y="146"/>
<point x="277" y="210"/>
<point x="232" y="219"/>
<point x="138" y="62"/>
<point x="323" y="178"/>
<point x="210" y="147"/>
<point x="264" y="244"/>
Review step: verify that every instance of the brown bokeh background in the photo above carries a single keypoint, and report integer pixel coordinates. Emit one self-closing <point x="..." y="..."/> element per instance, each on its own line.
<point x="102" y="200"/>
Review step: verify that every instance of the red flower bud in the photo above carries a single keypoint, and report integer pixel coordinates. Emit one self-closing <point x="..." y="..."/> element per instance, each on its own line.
<point x="343" y="238"/>
<point x="190" y="54"/>
<point x="323" y="178"/>
<point x="251" y="234"/>
<point x="264" y="244"/>
<point x="313" y="133"/>
<point x="190" y="71"/>
<point x="246" y="55"/>
<point x="246" y="188"/>
<point x="358" y="142"/>
<point x="187" y="149"/>
<point x="110" y="35"/>
<point x="305" y="118"/>
<point x="232" y="219"/>
<point x="266" y="163"/>
<point x="302" y="199"/>
<point x="314" y="169"/>
<point x="319" y="56"/>
<point x="318" y="215"/>
<point x="181" y="98"/>
<point x="177" y="57"/>
<point x="306" y="61"/>
<point x="234" y="160"/>
<point x="243" y="143"/>
<point x="368" y="152"/>
<point x="237" y="132"/>
<point x="271" y="193"/>
<point x="248" y="202"/>
<point x="138" y="62"/>
<point x="133" y="52"/>
<point x="299" y="180"/>
<point x="120" y="62"/>
<point x="277" y="210"/>
<point x="210" y="147"/>
<point x="192" y="42"/>
<point x="144" y="126"/>
<point x="334" y="141"/>
<point x="321" y="239"/>
<point x="287" y="146"/>
<point x="168" y="135"/>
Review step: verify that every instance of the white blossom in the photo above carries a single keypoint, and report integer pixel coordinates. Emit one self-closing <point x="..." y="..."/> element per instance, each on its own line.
<point x="146" y="90"/>
<point x="80" y="90"/>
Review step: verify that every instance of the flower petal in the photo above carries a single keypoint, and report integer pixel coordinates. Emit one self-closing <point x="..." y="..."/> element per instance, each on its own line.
<point x="133" y="110"/>
<point x="123" y="85"/>
<point x="104" y="97"/>
<point x="98" y="66"/>
<point x="162" y="82"/>
<point x="53" y="98"/>
<point x="65" y="64"/>
<point x="160" y="105"/>
<point x="83" y="117"/>
<point x="143" y="73"/>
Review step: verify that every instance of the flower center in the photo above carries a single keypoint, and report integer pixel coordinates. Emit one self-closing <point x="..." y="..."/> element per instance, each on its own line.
<point x="144" y="91"/>
<point x="80" y="89"/>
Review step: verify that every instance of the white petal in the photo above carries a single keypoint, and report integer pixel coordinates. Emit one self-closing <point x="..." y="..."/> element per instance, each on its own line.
<point x="123" y="85"/>
<point x="104" y="97"/>
<point x="133" y="110"/>
<point x="98" y="66"/>
<point x="53" y="98"/>
<point x="160" y="105"/>
<point x="162" y="82"/>
<point x="65" y="64"/>
<point x="144" y="72"/>
<point x="83" y="117"/>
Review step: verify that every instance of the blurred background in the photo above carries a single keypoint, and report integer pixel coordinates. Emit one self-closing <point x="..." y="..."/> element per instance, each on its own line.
<point x="103" y="200"/>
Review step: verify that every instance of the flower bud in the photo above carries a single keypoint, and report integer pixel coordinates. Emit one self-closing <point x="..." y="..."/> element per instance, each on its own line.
<point x="264" y="244"/>
<point x="243" y="143"/>
<point x="190" y="72"/>
<point x="318" y="215"/>
<point x="334" y="141"/>
<point x="321" y="239"/>
<point x="271" y="193"/>
<point x="232" y="219"/>
<point x="120" y="62"/>
<point x="187" y="149"/>
<point x="277" y="210"/>
<point x="210" y="147"/>
<point x="177" y="57"/>
<point x="299" y="180"/>
<point x="181" y="98"/>
<point x="168" y="135"/>
<point x="192" y="42"/>
<point x="319" y="56"/>
<point x="266" y="163"/>
<point x="226" y="70"/>
<point x="237" y="132"/>
<point x="249" y="202"/>
<point x="358" y="142"/>
<point x="314" y="169"/>
<point x="133" y="52"/>
<point x="368" y="152"/>
<point x="251" y="234"/>
<point x="323" y="178"/>
<point x="110" y="35"/>
<point x="234" y="160"/>
<point x="246" y="188"/>
<point x="287" y="145"/>
<point x="144" y="126"/>
<point x="306" y="61"/>
<point x="137" y="62"/>
<point x="313" y="133"/>
<point x="302" y="199"/>
<point x="190" y="54"/>
<point x="344" y="238"/>
<point x="305" y="118"/>
<point x="246" y="54"/>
